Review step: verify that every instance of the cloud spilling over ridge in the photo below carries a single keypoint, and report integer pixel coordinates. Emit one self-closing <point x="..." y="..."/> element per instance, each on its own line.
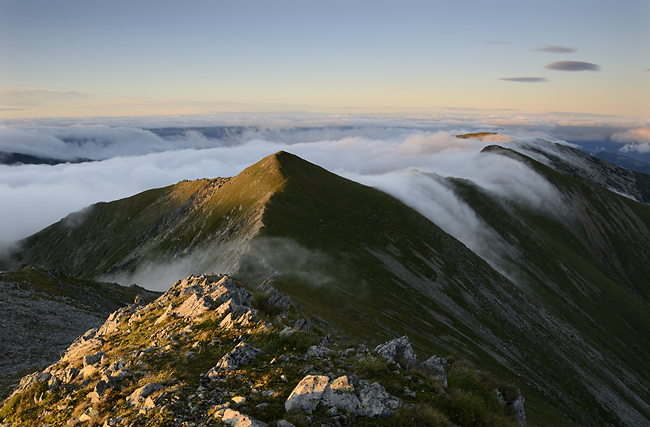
<point x="409" y="163"/>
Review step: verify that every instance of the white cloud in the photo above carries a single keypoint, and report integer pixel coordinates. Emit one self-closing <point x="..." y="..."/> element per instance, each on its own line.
<point x="637" y="136"/>
<point x="635" y="140"/>
<point x="409" y="162"/>
<point x="639" y="148"/>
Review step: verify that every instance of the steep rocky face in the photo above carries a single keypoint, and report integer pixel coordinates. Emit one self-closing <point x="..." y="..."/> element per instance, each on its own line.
<point x="43" y="312"/>
<point x="156" y="365"/>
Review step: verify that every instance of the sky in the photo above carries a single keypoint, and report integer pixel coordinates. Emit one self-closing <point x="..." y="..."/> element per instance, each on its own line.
<point x="372" y="90"/>
<point x="80" y="58"/>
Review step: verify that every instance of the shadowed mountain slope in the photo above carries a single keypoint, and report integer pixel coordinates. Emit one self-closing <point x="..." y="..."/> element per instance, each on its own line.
<point x="571" y="329"/>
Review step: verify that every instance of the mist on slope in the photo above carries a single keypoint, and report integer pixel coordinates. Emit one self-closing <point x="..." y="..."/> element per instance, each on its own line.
<point x="410" y="163"/>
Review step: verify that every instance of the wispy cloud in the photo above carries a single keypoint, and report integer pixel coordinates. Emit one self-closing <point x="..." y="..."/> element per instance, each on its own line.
<point x="525" y="79"/>
<point x="555" y="49"/>
<point x="573" y="66"/>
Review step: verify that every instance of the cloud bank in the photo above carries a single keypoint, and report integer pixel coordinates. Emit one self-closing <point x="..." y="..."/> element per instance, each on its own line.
<point x="409" y="162"/>
<point x="635" y="140"/>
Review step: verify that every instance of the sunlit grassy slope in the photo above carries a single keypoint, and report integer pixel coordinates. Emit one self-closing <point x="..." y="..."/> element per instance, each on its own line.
<point x="572" y="331"/>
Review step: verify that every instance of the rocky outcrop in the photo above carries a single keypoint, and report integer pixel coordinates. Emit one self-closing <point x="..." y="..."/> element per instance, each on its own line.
<point x="237" y="419"/>
<point x="308" y="393"/>
<point x="242" y="354"/>
<point x="345" y="394"/>
<point x="398" y="351"/>
<point x="140" y="395"/>
<point x="154" y="365"/>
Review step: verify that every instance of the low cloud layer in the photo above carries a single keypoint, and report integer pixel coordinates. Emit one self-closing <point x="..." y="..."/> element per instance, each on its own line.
<point x="407" y="160"/>
<point x="573" y="66"/>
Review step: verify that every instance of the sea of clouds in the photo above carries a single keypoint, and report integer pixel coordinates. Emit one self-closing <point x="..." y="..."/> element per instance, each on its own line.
<point x="406" y="158"/>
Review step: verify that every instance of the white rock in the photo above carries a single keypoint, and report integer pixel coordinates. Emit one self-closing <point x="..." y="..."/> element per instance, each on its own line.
<point x="86" y="416"/>
<point x="195" y="306"/>
<point x="376" y="401"/>
<point x="434" y="365"/>
<point x="137" y="398"/>
<point x="93" y="359"/>
<point x="398" y="351"/>
<point x="518" y="410"/>
<point x="307" y="394"/>
<point x="237" y="419"/>
<point x="340" y="394"/>
<point x="242" y="354"/>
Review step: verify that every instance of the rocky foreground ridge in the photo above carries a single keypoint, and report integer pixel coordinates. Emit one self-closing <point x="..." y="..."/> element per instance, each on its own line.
<point x="210" y="352"/>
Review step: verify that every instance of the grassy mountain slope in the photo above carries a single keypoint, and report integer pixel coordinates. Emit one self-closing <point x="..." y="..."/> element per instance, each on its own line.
<point x="376" y="269"/>
<point x="158" y="226"/>
<point x="399" y="273"/>
<point x="589" y="270"/>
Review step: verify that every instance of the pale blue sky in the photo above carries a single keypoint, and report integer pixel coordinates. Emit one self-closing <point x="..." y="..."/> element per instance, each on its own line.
<point x="93" y="58"/>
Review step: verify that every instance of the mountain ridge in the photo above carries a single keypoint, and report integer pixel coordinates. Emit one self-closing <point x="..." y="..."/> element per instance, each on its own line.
<point x="376" y="268"/>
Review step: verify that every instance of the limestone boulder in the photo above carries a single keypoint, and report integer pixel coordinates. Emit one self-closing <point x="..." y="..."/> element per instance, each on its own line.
<point x="138" y="397"/>
<point x="93" y="359"/>
<point x="83" y="345"/>
<point x="308" y="393"/>
<point x="343" y="395"/>
<point x="226" y="289"/>
<point x="434" y="365"/>
<point x="195" y="306"/>
<point x="376" y="401"/>
<point x="398" y="351"/>
<point x="518" y="410"/>
<point x="237" y="419"/>
<point x="242" y="354"/>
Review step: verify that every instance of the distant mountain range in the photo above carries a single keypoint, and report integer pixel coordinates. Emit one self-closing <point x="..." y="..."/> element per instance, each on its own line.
<point x="564" y="311"/>
<point x="27" y="159"/>
<point x="624" y="161"/>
